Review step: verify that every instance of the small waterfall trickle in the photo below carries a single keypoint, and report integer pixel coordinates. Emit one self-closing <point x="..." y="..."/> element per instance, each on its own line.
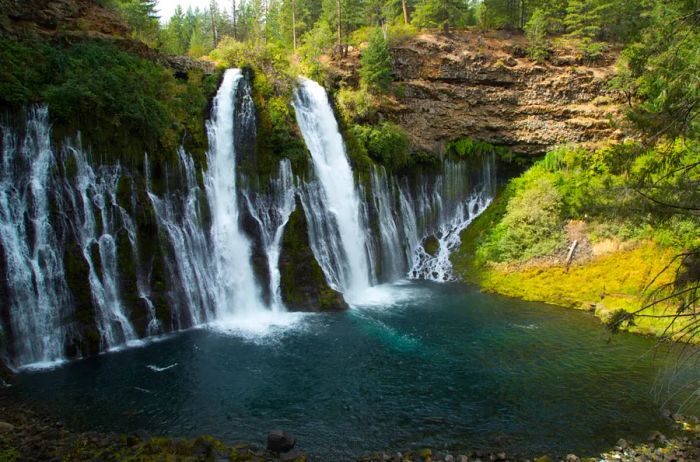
<point x="95" y="196"/>
<point x="188" y="261"/>
<point x="33" y="266"/>
<point x="332" y="203"/>
<point x="271" y="211"/>
<point x="393" y="256"/>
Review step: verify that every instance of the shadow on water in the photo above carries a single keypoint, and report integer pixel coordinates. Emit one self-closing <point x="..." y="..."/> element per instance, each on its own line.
<point x="414" y="365"/>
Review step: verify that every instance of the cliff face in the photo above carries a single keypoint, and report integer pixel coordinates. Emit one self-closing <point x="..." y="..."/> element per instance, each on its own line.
<point x="480" y="86"/>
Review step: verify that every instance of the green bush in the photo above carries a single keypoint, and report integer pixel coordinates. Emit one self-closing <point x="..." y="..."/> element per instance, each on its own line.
<point x="356" y="106"/>
<point x="467" y="148"/>
<point x="532" y="226"/>
<point x="386" y="143"/>
<point x="125" y="103"/>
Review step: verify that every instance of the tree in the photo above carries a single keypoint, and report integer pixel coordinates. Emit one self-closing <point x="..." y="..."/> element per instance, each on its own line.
<point x="375" y="72"/>
<point x="142" y="17"/>
<point x="442" y="13"/>
<point x="536" y="32"/>
<point x="660" y="74"/>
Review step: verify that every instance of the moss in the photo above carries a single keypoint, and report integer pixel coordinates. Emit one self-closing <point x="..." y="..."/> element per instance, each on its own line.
<point x="122" y="104"/>
<point x="303" y="283"/>
<point x="431" y="245"/>
<point x="83" y="319"/>
<point x="278" y="135"/>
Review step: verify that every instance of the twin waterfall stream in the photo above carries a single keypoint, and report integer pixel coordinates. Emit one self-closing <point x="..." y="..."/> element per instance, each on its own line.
<point x="59" y="206"/>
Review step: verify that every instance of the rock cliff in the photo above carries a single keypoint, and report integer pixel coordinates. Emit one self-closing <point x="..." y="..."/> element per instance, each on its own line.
<point x="482" y="86"/>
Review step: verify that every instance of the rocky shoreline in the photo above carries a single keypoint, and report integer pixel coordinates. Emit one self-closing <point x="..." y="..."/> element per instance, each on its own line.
<point x="28" y="434"/>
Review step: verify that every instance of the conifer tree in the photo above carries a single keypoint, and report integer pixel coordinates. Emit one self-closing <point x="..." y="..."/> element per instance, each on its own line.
<point x="375" y="72"/>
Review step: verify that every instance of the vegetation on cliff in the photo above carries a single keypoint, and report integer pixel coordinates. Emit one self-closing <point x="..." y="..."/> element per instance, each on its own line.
<point x="127" y="103"/>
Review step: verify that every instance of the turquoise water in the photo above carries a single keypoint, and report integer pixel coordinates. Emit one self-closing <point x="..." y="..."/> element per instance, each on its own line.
<point x="423" y="365"/>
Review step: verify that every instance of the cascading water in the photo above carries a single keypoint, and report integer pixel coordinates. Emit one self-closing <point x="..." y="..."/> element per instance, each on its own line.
<point x="97" y="232"/>
<point x="405" y="210"/>
<point x="237" y="291"/>
<point x="271" y="211"/>
<point x="38" y="293"/>
<point x="191" y="272"/>
<point x="69" y="233"/>
<point x="332" y="206"/>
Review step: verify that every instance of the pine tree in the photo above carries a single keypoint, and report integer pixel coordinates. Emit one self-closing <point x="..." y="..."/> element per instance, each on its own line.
<point x="442" y="13"/>
<point x="375" y="72"/>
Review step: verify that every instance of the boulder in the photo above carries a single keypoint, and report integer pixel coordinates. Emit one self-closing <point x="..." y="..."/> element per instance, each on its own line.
<point x="280" y="441"/>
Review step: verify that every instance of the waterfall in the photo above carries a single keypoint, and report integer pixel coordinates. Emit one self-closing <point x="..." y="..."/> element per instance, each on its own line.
<point x="188" y="261"/>
<point x="456" y="214"/>
<point x="393" y="256"/>
<point x="95" y="196"/>
<point x="271" y="211"/>
<point x="77" y="280"/>
<point x="38" y="293"/>
<point x="373" y="233"/>
<point x="334" y="211"/>
<point x="237" y="290"/>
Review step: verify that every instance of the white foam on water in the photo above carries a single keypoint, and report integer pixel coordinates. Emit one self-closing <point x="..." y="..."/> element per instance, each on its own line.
<point x="155" y="368"/>
<point x="260" y="328"/>
<point x="386" y="295"/>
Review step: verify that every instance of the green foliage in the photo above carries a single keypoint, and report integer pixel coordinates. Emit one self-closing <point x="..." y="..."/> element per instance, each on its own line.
<point x="532" y="225"/>
<point x="659" y="74"/>
<point x="375" y="70"/>
<point x="386" y="143"/>
<point x="356" y="106"/>
<point x="624" y="192"/>
<point x="141" y="16"/>
<point x="536" y="32"/>
<point x="443" y="13"/>
<point x="127" y="103"/>
<point x="467" y="148"/>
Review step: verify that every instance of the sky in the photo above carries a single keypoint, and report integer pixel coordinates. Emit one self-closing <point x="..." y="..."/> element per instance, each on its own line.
<point x="167" y="7"/>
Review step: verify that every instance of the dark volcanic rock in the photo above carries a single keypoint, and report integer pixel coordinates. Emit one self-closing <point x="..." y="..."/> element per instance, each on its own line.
<point x="279" y="441"/>
<point x="303" y="283"/>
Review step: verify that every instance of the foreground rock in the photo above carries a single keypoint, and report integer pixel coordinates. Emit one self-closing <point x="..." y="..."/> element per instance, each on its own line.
<point x="279" y="441"/>
<point x="27" y="435"/>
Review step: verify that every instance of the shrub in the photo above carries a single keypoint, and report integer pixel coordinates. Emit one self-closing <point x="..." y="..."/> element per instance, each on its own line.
<point x="356" y="106"/>
<point x="386" y="143"/>
<point x="532" y="226"/>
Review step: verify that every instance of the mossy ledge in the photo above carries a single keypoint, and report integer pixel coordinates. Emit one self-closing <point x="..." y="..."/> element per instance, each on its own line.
<point x="602" y="284"/>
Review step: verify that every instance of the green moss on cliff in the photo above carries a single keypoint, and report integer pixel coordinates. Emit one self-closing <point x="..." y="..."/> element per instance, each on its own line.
<point x="303" y="283"/>
<point x="121" y="103"/>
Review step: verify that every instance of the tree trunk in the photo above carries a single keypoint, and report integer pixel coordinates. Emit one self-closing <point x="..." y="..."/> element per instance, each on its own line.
<point x="214" y="33"/>
<point x="294" y="25"/>
<point x="340" y="25"/>
<point x="233" y="17"/>
<point x="406" y="18"/>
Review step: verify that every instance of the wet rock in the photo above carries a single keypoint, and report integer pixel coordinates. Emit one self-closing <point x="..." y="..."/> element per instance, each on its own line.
<point x="572" y="458"/>
<point x="6" y="427"/>
<point x="280" y="441"/>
